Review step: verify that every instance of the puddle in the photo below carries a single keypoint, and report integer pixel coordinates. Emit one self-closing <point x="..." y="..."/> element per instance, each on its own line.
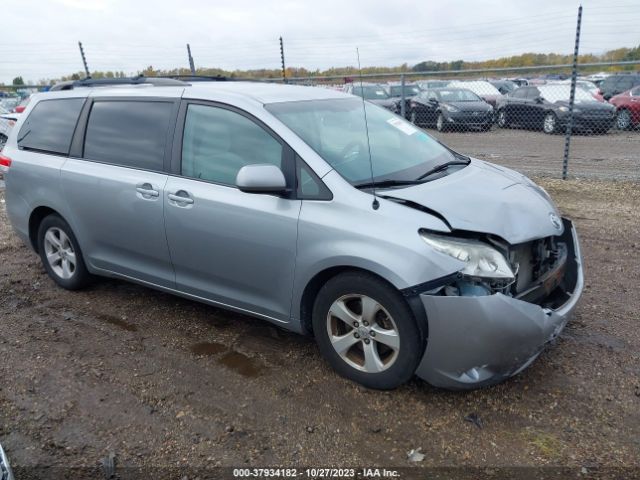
<point x="118" y="322"/>
<point x="242" y="364"/>
<point x="208" y="348"/>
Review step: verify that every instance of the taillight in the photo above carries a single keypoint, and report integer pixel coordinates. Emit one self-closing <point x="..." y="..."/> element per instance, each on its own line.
<point x="5" y="163"/>
<point x="19" y="109"/>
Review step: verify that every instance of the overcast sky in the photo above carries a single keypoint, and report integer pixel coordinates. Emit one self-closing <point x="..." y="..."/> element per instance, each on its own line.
<point x="39" y="37"/>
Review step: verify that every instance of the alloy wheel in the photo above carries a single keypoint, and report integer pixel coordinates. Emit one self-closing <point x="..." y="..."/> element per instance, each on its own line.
<point x="60" y="253"/>
<point x="363" y="333"/>
<point x="623" y="120"/>
<point x="549" y="125"/>
<point x="502" y="119"/>
<point x="440" y="123"/>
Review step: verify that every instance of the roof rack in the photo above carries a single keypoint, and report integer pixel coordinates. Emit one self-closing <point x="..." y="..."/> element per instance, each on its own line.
<point x="199" y="78"/>
<point x="164" y="81"/>
<point x="102" y="82"/>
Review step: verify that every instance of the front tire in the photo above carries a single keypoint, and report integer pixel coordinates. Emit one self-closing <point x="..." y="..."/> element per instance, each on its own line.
<point x="366" y="331"/>
<point x="441" y="123"/>
<point x="61" y="254"/>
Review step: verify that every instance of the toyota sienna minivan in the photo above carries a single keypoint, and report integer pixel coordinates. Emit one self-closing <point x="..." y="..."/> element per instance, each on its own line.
<point x="400" y="256"/>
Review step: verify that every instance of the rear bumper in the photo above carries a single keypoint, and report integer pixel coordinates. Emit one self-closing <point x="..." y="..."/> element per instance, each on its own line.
<point x="480" y="341"/>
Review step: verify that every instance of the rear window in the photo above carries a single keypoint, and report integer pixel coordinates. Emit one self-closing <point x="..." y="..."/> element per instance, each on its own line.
<point x="50" y="125"/>
<point x="128" y="133"/>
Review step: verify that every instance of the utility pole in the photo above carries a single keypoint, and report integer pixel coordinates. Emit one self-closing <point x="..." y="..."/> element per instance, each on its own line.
<point x="574" y="76"/>
<point x="191" y="64"/>
<point x="84" y="60"/>
<point x="284" y="72"/>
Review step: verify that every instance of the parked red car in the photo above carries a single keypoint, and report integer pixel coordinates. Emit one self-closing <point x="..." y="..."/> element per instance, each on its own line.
<point x="628" y="107"/>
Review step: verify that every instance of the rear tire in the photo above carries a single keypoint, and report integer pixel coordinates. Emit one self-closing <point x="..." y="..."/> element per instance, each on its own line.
<point x="623" y="120"/>
<point x="366" y="331"/>
<point x="550" y="123"/>
<point x="61" y="254"/>
<point x="502" y="119"/>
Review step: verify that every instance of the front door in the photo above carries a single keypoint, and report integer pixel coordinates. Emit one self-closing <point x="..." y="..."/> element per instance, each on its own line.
<point x="232" y="248"/>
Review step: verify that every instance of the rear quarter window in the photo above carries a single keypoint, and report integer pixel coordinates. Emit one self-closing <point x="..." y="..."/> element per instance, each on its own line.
<point x="50" y="125"/>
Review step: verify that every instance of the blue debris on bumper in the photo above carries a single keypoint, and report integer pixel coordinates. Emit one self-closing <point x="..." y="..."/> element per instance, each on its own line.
<point x="479" y="341"/>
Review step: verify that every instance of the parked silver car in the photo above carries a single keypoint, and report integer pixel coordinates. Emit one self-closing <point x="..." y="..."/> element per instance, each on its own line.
<point x="399" y="255"/>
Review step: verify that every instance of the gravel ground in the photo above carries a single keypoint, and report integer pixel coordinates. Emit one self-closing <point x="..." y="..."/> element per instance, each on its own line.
<point x="615" y="156"/>
<point x="161" y="381"/>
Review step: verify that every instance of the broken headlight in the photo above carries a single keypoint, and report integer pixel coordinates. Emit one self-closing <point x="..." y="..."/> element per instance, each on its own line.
<point x="481" y="260"/>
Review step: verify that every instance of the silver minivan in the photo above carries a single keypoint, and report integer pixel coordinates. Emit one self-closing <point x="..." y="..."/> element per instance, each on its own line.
<point x="306" y="207"/>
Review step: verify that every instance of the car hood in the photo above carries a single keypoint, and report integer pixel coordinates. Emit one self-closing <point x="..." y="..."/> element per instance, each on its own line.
<point x="471" y="106"/>
<point x="486" y="198"/>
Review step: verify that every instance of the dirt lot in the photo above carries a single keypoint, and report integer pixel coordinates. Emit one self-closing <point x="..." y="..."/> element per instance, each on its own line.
<point x="157" y="380"/>
<point x="615" y="156"/>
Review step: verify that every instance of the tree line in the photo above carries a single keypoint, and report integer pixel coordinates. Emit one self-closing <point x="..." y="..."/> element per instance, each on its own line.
<point x="523" y="60"/>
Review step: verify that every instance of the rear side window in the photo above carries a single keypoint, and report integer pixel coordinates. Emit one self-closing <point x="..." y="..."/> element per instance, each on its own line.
<point x="128" y="133"/>
<point x="50" y="125"/>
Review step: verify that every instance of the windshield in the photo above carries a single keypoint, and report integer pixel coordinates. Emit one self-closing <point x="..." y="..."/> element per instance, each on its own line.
<point x="434" y="84"/>
<point x="409" y="90"/>
<point x="560" y="93"/>
<point x="457" y="96"/>
<point x="335" y="129"/>
<point x="373" y="92"/>
<point x="478" y="87"/>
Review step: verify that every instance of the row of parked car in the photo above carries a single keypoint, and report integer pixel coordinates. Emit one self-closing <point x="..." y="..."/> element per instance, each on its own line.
<point x="541" y="104"/>
<point x="10" y="110"/>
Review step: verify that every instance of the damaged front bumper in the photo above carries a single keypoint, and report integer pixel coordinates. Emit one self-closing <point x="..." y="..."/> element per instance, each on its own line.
<point x="482" y="340"/>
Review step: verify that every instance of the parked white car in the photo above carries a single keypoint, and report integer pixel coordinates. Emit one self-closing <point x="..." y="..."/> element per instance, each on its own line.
<point x="7" y="121"/>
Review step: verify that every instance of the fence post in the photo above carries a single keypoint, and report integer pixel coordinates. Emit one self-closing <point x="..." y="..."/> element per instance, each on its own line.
<point x="84" y="60"/>
<point x="284" y="74"/>
<point x="191" y="64"/>
<point x="403" y="106"/>
<point x="574" y="75"/>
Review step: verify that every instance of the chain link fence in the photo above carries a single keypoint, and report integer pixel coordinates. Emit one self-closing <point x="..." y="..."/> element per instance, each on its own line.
<point x="520" y="117"/>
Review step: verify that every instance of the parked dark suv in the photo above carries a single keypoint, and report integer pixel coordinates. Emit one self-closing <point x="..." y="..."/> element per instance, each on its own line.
<point x="616" y="84"/>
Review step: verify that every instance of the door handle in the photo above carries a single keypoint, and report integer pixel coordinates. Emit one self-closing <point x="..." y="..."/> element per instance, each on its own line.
<point x="147" y="190"/>
<point x="181" y="197"/>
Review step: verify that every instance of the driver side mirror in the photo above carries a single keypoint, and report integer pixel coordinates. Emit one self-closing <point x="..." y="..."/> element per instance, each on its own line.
<point x="539" y="100"/>
<point x="261" y="178"/>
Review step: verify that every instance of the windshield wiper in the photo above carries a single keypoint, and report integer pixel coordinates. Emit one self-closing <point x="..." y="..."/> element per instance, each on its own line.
<point x="442" y="167"/>
<point x="387" y="184"/>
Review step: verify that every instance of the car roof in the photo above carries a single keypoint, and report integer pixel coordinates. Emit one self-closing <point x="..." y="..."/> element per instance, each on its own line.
<point x="262" y="92"/>
<point x="258" y="92"/>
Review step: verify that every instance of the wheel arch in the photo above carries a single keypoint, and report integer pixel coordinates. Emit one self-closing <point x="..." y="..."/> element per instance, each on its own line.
<point x="35" y="219"/>
<point x="313" y="286"/>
